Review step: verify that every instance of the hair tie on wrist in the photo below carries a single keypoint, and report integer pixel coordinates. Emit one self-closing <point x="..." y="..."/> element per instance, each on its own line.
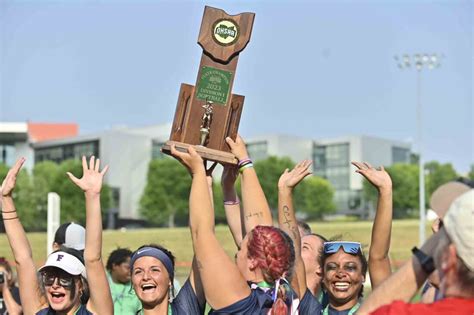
<point x="5" y="219"/>
<point x="231" y="202"/>
<point x="242" y="168"/>
<point x="14" y="210"/>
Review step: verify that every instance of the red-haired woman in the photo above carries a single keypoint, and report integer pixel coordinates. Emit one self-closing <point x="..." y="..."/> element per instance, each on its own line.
<point x="266" y="254"/>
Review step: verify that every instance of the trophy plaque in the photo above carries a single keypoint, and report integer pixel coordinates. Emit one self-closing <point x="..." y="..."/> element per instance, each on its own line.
<point x="208" y="112"/>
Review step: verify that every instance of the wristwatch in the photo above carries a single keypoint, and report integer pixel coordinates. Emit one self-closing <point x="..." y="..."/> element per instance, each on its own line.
<point x="426" y="262"/>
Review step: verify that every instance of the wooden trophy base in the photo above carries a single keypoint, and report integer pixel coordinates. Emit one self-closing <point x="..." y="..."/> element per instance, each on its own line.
<point x="205" y="153"/>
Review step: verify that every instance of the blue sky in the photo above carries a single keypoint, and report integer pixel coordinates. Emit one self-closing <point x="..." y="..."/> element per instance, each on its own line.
<point x="312" y="69"/>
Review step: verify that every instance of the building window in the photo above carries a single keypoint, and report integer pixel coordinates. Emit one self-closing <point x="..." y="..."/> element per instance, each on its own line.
<point x="68" y="151"/>
<point x="258" y="150"/>
<point x="332" y="163"/>
<point x="7" y="154"/>
<point x="400" y="155"/>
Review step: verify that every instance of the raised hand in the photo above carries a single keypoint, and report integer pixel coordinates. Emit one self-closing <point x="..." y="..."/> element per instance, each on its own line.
<point x="379" y="178"/>
<point x="8" y="184"/>
<point x="91" y="181"/>
<point x="237" y="147"/>
<point x="289" y="179"/>
<point x="191" y="160"/>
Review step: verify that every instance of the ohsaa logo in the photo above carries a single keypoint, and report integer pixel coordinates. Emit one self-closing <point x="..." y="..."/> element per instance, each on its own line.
<point x="225" y="32"/>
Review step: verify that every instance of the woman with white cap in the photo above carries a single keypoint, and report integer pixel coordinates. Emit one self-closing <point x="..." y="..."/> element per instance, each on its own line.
<point x="65" y="276"/>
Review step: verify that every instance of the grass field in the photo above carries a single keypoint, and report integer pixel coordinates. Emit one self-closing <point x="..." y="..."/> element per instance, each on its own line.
<point x="178" y="240"/>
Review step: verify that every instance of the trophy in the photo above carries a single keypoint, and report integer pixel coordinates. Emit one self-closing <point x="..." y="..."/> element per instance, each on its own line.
<point x="208" y="112"/>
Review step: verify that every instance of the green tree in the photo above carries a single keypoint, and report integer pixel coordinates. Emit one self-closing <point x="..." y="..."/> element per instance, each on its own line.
<point x="72" y="198"/>
<point x="31" y="194"/>
<point x="166" y="194"/>
<point x="3" y="171"/>
<point x="269" y="171"/>
<point x="219" y="210"/>
<point x="44" y="175"/>
<point x="27" y="200"/>
<point x="314" y="196"/>
<point x="470" y="175"/>
<point x="27" y="203"/>
<point x="438" y="174"/>
<point x="405" y="189"/>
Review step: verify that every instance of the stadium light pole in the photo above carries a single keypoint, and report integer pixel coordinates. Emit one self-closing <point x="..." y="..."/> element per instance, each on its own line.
<point x="419" y="62"/>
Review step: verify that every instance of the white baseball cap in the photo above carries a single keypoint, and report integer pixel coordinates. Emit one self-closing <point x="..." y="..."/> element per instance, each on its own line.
<point x="459" y="224"/>
<point x="67" y="262"/>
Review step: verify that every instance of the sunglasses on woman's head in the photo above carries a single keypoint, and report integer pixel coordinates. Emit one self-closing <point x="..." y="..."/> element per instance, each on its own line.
<point x="64" y="280"/>
<point x="349" y="247"/>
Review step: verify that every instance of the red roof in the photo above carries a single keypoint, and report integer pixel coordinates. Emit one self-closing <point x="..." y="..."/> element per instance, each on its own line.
<point x="45" y="131"/>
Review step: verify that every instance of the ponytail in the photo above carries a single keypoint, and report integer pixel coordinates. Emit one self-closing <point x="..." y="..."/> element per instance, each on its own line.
<point x="282" y="298"/>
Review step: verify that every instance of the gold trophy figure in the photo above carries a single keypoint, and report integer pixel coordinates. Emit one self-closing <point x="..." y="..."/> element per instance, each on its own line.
<point x="206" y="122"/>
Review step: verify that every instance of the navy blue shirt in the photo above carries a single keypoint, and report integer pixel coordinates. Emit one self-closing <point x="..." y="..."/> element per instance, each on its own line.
<point x="186" y="302"/>
<point x="309" y="304"/>
<point x="257" y="303"/>
<point x="49" y="311"/>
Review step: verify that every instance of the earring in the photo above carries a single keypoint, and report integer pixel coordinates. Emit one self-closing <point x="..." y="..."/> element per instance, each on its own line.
<point x="170" y="293"/>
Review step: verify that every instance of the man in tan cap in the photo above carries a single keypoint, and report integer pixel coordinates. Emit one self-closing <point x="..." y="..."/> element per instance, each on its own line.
<point x="440" y="201"/>
<point x="450" y="252"/>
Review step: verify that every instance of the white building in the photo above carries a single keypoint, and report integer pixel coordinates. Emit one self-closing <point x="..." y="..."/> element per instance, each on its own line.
<point x="127" y="151"/>
<point x="17" y="139"/>
<point x="331" y="160"/>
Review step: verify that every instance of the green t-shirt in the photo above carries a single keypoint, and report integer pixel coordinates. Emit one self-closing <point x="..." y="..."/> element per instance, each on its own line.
<point x="125" y="300"/>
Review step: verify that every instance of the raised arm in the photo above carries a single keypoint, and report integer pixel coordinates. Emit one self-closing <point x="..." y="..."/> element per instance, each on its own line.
<point x="194" y="275"/>
<point x="216" y="269"/>
<point x="379" y="261"/>
<point x="255" y="205"/>
<point x="100" y="301"/>
<point x="287" y="219"/>
<point x="26" y="270"/>
<point x="233" y="212"/>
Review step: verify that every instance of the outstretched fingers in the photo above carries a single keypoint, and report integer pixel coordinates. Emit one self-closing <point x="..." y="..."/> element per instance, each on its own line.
<point x="97" y="165"/>
<point x="92" y="163"/>
<point x="104" y="170"/>
<point x="73" y="178"/>
<point x="17" y="167"/>
<point x="368" y="165"/>
<point x="84" y="164"/>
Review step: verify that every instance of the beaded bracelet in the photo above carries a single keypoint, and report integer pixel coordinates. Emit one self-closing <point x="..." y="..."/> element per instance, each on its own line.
<point x="241" y="162"/>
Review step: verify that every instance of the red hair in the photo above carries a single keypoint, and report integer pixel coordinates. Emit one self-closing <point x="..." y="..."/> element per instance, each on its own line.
<point x="272" y="250"/>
